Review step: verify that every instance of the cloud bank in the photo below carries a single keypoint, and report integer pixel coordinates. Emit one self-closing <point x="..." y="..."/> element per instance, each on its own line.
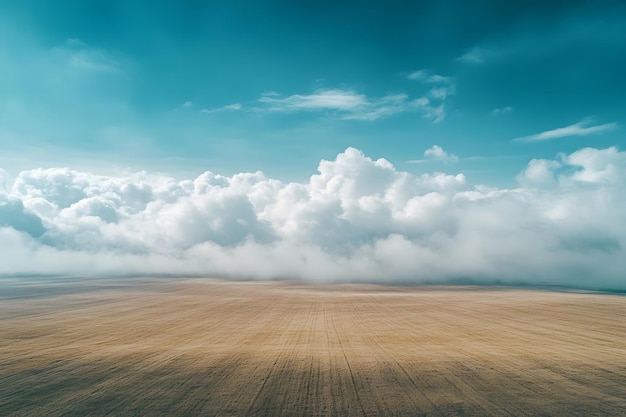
<point x="358" y="219"/>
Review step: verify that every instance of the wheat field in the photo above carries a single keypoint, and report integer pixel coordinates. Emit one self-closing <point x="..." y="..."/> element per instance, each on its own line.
<point x="204" y="347"/>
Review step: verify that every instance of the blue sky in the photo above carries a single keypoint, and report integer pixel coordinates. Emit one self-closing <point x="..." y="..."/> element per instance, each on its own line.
<point x="324" y="140"/>
<point x="232" y="86"/>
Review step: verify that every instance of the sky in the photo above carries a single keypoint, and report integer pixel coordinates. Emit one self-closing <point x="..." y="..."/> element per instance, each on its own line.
<point x="403" y="141"/>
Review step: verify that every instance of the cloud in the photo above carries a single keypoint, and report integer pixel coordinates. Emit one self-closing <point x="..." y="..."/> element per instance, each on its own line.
<point x="350" y="105"/>
<point x="430" y="78"/>
<point x="578" y="129"/>
<point x="473" y="56"/>
<point x="235" y="106"/>
<point x="344" y="100"/>
<point x="502" y="110"/>
<point x="441" y="93"/>
<point x="187" y="104"/>
<point x="596" y="34"/>
<point x="229" y="107"/>
<point x="59" y="94"/>
<point x="385" y="106"/>
<point x="81" y="56"/>
<point x="357" y="219"/>
<point x="539" y="171"/>
<point x="12" y="214"/>
<point x="429" y="110"/>
<point x="436" y="153"/>
<point x="432" y="105"/>
<point x="339" y="100"/>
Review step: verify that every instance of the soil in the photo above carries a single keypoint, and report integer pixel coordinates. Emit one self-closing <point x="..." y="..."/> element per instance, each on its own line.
<point x="204" y="347"/>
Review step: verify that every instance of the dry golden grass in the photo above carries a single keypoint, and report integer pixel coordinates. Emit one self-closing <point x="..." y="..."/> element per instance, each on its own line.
<point x="219" y="348"/>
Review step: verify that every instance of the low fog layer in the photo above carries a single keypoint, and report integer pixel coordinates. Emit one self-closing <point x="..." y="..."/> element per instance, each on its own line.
<point x="357" y="220"/>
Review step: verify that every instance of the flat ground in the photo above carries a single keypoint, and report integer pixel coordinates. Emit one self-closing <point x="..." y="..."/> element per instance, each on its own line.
<point x="211" y="347"/>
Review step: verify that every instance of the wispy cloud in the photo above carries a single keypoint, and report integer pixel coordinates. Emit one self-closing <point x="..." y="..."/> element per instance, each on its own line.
<point x="502" y="110"/>
<point x="187" y="104"/>
<point x="443" y="92"/>
<point x="84" y="57"/>
<point x="428" y="77"/>
<point x="344" y="100"/>
<point x="436" y="153"/>
<point x="235" y="106"/>
<point x="352" y="105"/>
<point x="430" y="110"/>
<point x="347" y="104"/>
<point x="473" y="56"/>
<point x="432" y="105"/>
<point x="581" y="128"/>
<point x="385" y="106"/>
<point x="229" y="107"/>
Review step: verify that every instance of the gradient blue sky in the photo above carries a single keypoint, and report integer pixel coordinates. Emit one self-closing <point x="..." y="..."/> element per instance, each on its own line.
<point x="230" y="86"/>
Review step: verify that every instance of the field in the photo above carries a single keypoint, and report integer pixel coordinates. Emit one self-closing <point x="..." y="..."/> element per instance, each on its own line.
<point x="165" y="347"/>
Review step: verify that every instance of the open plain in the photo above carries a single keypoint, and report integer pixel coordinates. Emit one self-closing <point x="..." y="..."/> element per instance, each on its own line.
<point x="166" y="347"/>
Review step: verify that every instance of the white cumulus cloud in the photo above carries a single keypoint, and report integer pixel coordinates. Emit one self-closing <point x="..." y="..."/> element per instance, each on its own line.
<point x="358" y="219"/>
<point x="436" y="153"/>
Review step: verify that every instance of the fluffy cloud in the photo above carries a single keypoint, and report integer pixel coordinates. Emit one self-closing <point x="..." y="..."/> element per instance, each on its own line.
<point x="436" y="153"/>
<point x="358" y="219"/>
